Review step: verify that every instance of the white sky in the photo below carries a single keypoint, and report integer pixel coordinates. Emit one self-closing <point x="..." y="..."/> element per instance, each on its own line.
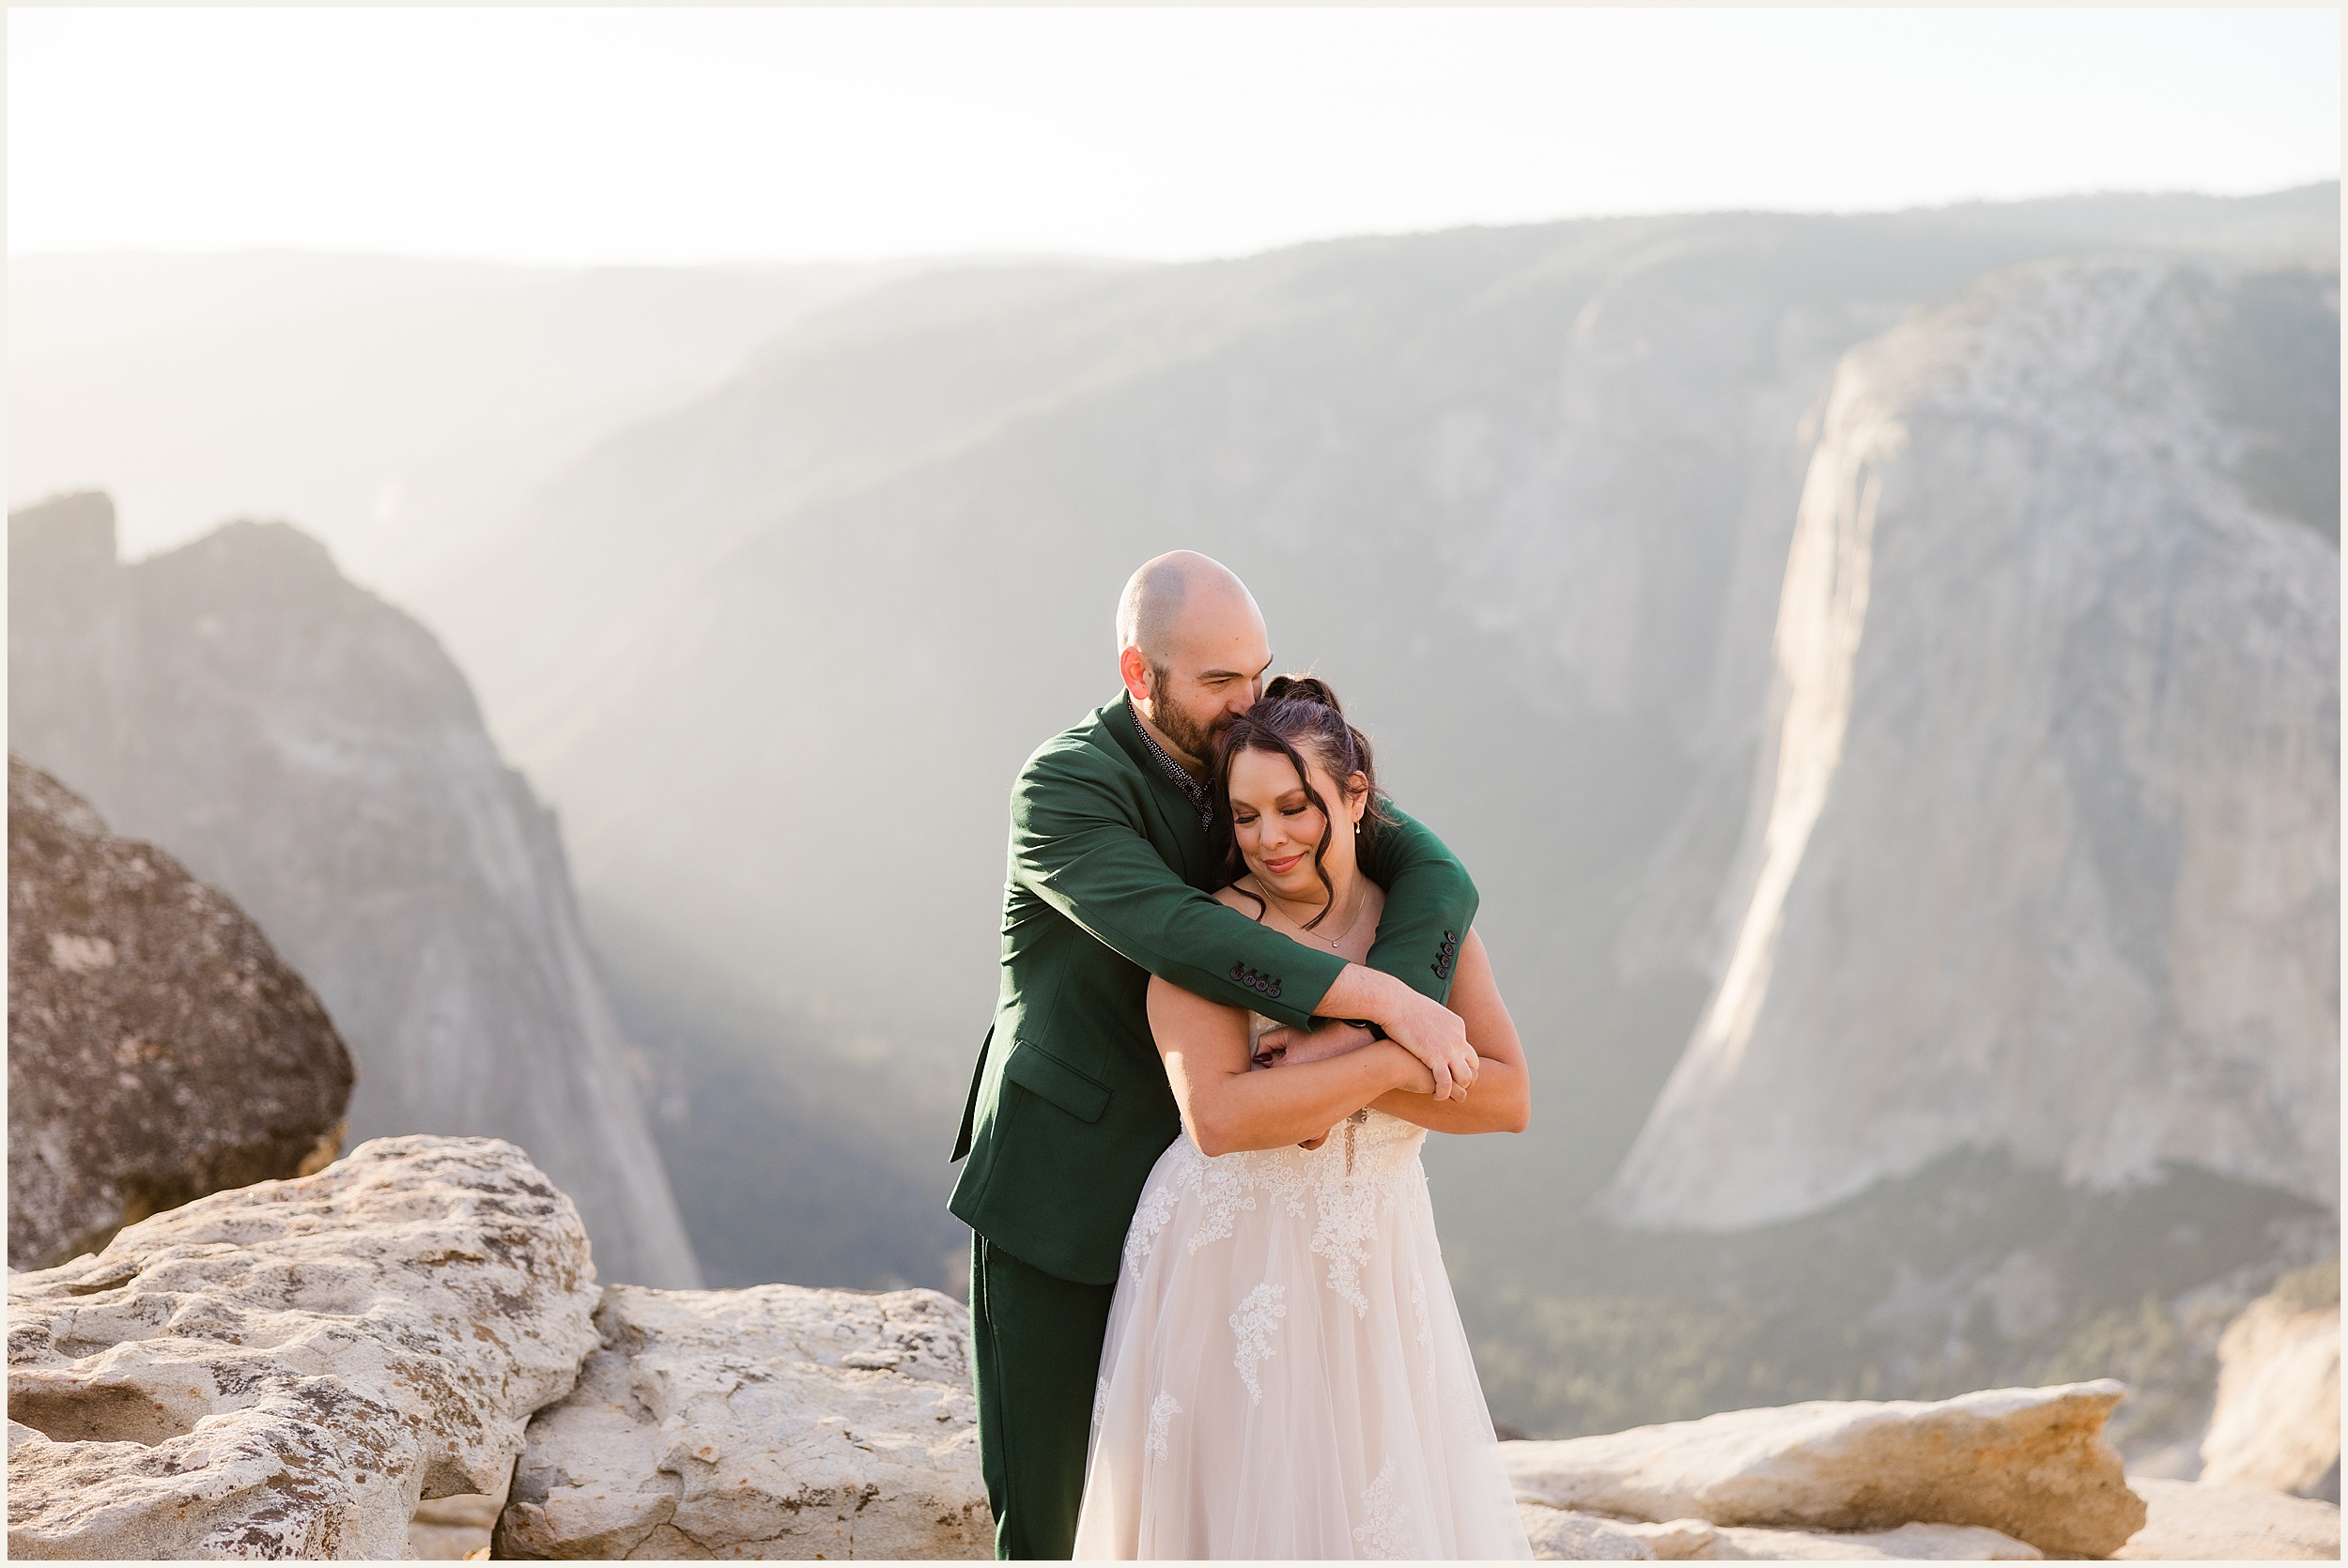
<point x="686" y="136"/>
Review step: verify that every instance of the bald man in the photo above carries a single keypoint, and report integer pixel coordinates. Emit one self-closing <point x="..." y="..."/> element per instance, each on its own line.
<point x="1113" y="857"/>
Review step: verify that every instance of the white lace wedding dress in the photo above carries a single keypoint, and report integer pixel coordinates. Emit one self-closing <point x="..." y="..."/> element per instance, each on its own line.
<point x="1285" y="1374"/>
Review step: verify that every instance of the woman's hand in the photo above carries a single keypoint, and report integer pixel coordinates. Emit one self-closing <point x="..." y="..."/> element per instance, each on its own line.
<point x="1331" y="1039"/>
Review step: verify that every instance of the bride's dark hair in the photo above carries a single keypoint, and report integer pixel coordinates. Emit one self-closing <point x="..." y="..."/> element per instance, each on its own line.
<point x="1296" y="714"/>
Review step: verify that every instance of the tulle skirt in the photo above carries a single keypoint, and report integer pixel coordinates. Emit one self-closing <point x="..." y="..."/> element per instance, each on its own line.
<point x="1285" y="1374"/>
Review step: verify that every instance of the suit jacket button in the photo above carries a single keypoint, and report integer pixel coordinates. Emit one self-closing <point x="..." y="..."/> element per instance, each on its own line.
<point x="1274" y="992"/>
<point x="1237" y="971"/>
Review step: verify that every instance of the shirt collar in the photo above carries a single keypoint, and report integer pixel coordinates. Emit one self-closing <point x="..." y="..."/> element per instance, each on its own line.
<point x="1200" y="797"/>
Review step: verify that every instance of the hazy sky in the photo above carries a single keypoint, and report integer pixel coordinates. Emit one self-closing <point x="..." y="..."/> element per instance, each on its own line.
<point x="679" y="136"/>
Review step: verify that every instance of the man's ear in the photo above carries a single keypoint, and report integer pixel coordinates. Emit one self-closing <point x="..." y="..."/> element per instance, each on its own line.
<point x="1135" y="670"/>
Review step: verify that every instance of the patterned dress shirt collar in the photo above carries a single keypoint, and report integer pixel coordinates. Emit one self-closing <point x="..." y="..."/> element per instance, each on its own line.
<point x="1200" y="797"/>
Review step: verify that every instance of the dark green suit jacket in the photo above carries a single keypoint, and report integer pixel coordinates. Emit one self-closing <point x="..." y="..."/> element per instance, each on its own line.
<point x="1110" y="882"/>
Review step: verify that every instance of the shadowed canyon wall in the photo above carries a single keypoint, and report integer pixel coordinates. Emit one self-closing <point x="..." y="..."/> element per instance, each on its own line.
<point x="310" y="750"/>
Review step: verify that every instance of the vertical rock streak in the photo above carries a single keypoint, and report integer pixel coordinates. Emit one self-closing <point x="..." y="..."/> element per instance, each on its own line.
<point x="1822" y="614"/>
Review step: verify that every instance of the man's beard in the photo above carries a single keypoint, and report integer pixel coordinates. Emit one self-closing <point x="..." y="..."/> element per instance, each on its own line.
<point x="1186" y="732"/>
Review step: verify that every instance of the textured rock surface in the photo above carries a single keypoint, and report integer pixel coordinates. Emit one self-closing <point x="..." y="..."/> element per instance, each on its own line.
<point x="312" y="752"/>
<point x="2043" y="853"/>
<point x="1562" y="1535"/>
<point x="2277" y="1424"/>
<point x="452" y="1529"/>
<point x="1912" y="1543"/>
<point x="1673" y="1540"/>
<point x="158" y="1049"/>
<point x="2032" y="1463"/>
<point x="289" y="1369"/>
<point x="769" y="1423"/>
<point x="2195" y="1520"/>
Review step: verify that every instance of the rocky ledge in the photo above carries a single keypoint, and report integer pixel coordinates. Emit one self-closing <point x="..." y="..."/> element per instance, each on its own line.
<point x="2029" y="1463"/>
<point x="289" y="1369"/>
<point x="769" y="1423"/>
<point x="347" y="1365"/>
<point x="2000" y="1475"/>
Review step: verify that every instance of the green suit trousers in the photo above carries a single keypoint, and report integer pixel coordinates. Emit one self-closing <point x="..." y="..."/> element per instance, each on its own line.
<point x="1038" y="1339"/>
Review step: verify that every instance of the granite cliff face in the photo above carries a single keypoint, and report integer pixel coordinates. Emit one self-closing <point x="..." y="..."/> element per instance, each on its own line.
<point x="310" y="750"/>
<point x="158" y="1049"/>
<point x="2044" y="853"/>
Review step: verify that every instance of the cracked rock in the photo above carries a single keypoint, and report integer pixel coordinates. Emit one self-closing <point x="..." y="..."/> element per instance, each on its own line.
<point x="288" y="1370"/>
<point x="770" y="1423"/>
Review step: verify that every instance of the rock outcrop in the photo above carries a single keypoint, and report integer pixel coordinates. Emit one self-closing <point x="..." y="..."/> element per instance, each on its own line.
<point x="289" y="1369"/>
<point x="769" y="1423"/>
<point x="2197" y="1521"/>
<point x="2277" y="1424"/>
<point x="2029" y="1463"/>
<point x="311" y="751"/>
<point x="2044" y="853"/>
<point x="158" y="1049"/>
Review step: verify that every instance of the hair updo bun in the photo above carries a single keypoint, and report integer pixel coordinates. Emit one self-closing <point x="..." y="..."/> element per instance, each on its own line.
<point x="1304" y="688"/>
<point x="1297" y="713"/>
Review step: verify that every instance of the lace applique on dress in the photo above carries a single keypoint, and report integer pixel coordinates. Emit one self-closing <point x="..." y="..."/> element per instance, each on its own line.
<point x="1349" y="1224"/>
<point x="1162" y="1413"/>
<point x="1255" y="1323"/>
<point x="1380" y="1533"/>
<point x="1149" y="1217"/>
<point x="1224" y="1192"/>
<point x="1418" y="1307"/>
<point x="1100" y="1401"/>
<point x="1370" y="1159"/>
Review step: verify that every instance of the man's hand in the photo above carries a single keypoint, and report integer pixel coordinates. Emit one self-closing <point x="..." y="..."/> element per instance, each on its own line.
<point x="1438" y="1037"/>
<point x="1426" y="1028"/>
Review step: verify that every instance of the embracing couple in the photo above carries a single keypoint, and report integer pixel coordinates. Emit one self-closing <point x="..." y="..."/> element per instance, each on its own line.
<point x="1239" y="987"/>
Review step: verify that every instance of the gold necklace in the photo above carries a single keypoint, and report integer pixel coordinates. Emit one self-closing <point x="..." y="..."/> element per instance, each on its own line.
<point x="1360" y="904"/>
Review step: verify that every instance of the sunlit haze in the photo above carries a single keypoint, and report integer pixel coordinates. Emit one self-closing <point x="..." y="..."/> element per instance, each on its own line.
<point x="690" y="136"/>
